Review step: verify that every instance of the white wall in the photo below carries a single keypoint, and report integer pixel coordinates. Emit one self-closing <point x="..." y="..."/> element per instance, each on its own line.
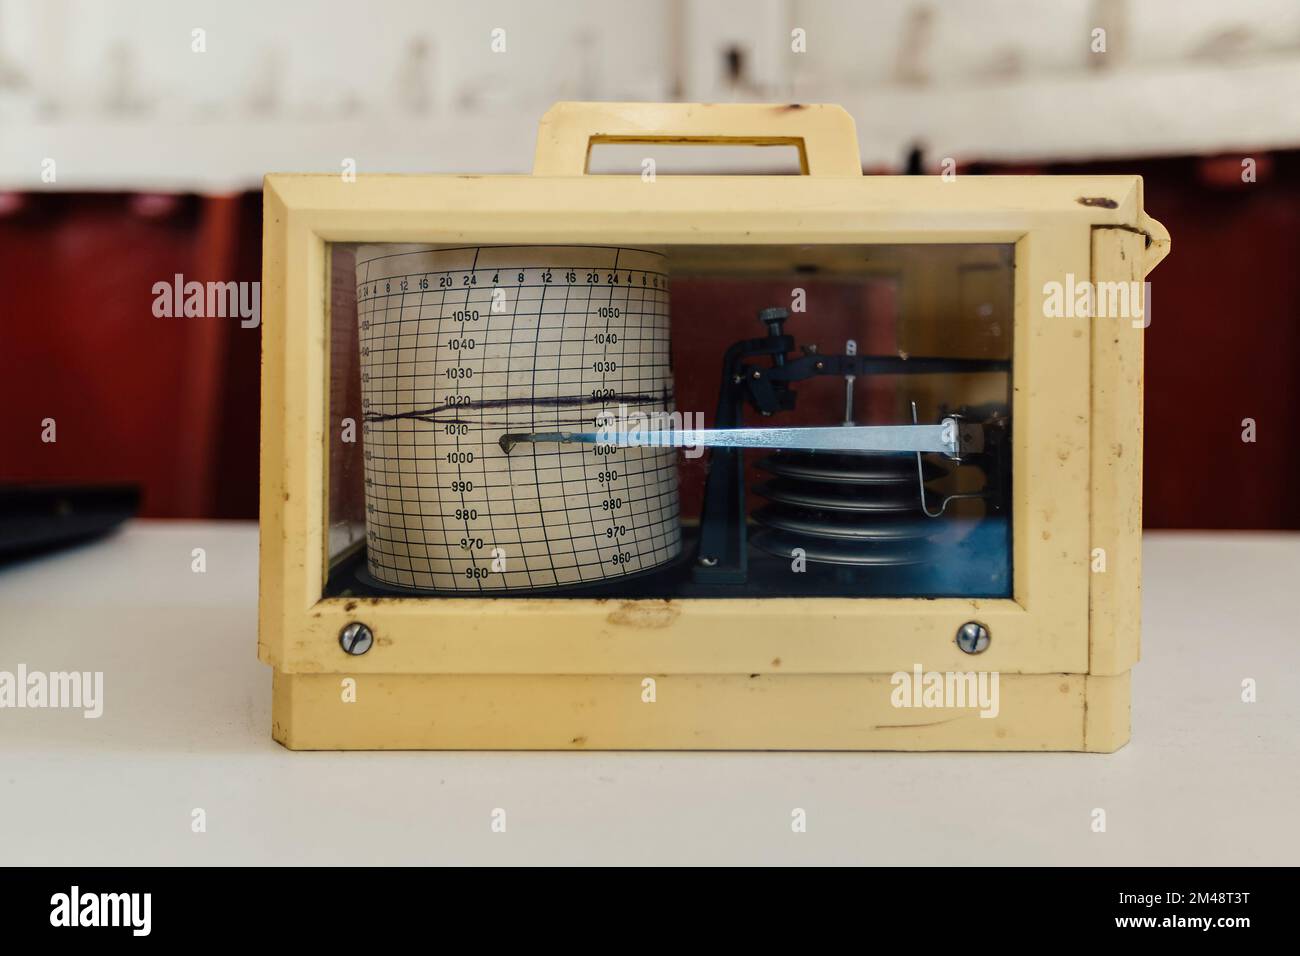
<point x="112" y="90"/>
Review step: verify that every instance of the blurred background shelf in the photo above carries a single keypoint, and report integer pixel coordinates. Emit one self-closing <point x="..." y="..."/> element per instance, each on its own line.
<point x="1189" y="110"/>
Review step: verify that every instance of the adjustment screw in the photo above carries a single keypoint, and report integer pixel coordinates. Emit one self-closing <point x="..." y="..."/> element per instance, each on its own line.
<point x="973" y="637"/>
<point x="355" y="638"/>
<point x="773" y="319"/>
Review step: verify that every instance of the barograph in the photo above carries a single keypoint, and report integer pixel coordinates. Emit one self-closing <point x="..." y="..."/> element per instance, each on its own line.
<point x="818" y="461"/>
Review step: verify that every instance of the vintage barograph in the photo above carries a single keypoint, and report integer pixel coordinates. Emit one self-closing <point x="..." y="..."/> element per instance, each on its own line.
<point x="818" y="461"/>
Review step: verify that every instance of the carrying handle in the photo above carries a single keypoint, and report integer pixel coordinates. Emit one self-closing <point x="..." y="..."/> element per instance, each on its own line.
<point x="824" y="134"/>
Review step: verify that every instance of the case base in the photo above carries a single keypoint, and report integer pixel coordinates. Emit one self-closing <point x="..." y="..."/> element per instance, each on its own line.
<point x="1072" y="712"/>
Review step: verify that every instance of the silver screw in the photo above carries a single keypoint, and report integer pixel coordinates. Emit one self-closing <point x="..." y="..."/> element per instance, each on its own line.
<point x="973" y="637"/>
<point x="356" y="638"/>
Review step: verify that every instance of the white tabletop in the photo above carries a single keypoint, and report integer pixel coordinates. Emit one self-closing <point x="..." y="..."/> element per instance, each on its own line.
<point x="1207" y="779"/>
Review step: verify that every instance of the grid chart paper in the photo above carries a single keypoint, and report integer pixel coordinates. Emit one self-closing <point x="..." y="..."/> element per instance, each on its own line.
<point x="462" y="345"/>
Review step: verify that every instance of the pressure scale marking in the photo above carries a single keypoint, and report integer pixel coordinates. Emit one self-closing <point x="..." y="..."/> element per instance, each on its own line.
<point x="462" y="345"/>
